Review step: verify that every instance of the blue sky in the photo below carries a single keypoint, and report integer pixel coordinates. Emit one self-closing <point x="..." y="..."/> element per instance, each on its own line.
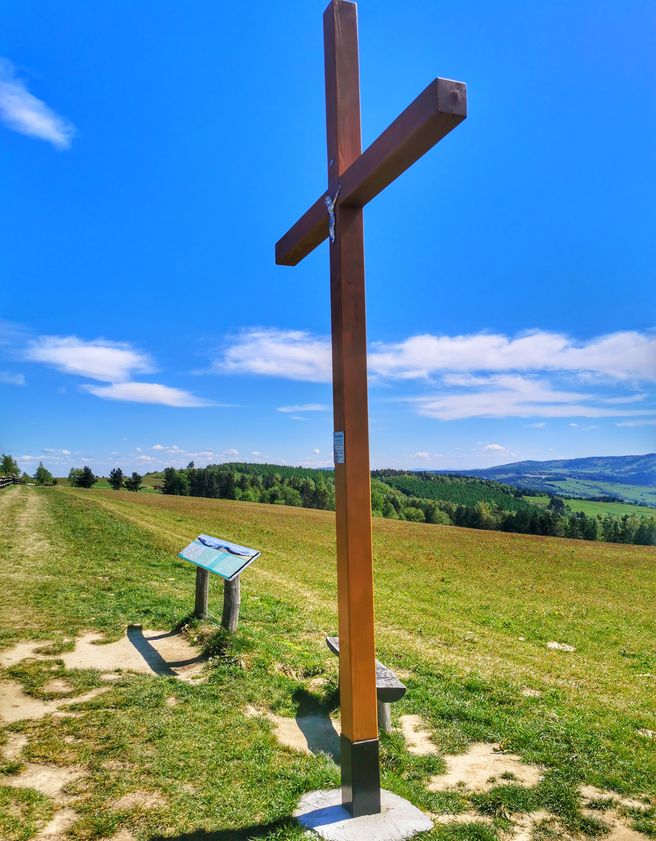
<point x="152" y="154"/>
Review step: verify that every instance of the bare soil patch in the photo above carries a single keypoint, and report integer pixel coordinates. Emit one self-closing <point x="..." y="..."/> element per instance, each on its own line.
<point x="56" y="830"/>
<point x="147" y="652"/>
<point x="17" y="705"/>
<point x="22" y="651"/>
<point x="50" y="780"/>
<point x="311" y="733"/>
<point x="58" y="686"/>
<point x="483" y="767"/>
<point x="14" y="745"/>
<point x="592" y="793"/>
<point x="139" y="800"/>
<point x="417" y="738"/>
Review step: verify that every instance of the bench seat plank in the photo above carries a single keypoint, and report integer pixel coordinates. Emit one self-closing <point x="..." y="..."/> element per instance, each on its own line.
<point x="388" y="687"/>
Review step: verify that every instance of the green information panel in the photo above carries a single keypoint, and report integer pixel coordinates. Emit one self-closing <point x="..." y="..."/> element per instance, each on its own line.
<point x="220" y="556"/>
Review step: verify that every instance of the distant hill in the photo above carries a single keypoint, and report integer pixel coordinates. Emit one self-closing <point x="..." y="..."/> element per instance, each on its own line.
<point x="631" y="478"/>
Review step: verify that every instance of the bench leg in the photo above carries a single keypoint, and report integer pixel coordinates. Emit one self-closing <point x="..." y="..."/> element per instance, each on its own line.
<point x="384" y="717"/>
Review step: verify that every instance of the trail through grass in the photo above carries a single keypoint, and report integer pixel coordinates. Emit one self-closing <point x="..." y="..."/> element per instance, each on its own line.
<point x="466" y="615"/>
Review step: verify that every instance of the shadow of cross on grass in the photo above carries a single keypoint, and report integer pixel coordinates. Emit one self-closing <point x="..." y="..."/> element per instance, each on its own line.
<point x="241" y="834"/>
<point x="152" y="657"/>
<point x="315" y="723"/>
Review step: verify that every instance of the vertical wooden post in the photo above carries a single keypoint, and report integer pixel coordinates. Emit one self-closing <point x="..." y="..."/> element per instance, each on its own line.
<point x="357" y="670"/>
<point x="231" y="603"/>
<point x="201" y="610"/>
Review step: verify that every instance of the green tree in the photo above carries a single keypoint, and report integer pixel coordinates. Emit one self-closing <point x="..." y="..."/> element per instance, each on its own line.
<point x="176" y="482"/>
<point x="116" y="478"/>
<point x="8" y="466"/>
<point x="24" y="478"/>
<point x="86" y="479"/>
<point x="415" y="515"/>
<point x="42" y="476"/>
<point x="74" y="475"/>
<point x="133" y="483"/>
<point x="557" y="505"/>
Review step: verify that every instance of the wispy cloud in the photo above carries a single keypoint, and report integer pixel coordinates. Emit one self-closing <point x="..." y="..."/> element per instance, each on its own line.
<point x="290" y="354"/>
<point x="635" y="423"/>
<point x="21" y="111"/>
<point x="162" y="395"/>
<point x="97" y="359"/>
<point x="9" y="378"/>
<point x="303" y="407"/>
<point x="512" y="395"/>
<point x="495" y="448"/>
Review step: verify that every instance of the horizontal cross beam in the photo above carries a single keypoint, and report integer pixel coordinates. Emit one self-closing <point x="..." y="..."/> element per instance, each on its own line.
<point x="433" y="114"/>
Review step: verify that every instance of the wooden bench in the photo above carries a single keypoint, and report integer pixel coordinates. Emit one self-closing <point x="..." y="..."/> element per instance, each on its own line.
<point x="388" y="688"/>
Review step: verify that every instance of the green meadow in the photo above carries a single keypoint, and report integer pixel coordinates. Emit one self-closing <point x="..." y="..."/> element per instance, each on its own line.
<point x="645" y="494"/>
<point x="592" y="508"/>
<point x="463" y="615"/>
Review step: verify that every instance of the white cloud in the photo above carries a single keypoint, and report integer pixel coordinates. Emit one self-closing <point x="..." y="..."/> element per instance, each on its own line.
<point x="635" y="423"/>
<point x="98" y="359"/>
<point x="162" y="395"/>
<point x="621" y="355"/>
<point x="303" y="407"/>
<point x="300" y="355"/>
<point x="256" y="454"/>
<point x="291" y="354"/>
<point x="21" y="111"/>
<point x="316" y="451"/>
<point x="538" y="425"/>
<point x="511" y="395"/>
<point x="8" y="378"/>
<point x="231" y="453"/>
<point x="495" y="448"/>
<point x="57" y="452"/>
<point x="421" y="454"/>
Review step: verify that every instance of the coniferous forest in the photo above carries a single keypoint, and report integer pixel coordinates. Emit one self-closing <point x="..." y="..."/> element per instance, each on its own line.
<point x="416" y="497"/>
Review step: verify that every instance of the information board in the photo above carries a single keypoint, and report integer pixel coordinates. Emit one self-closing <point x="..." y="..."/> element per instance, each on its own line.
<point x="220" y="556"/>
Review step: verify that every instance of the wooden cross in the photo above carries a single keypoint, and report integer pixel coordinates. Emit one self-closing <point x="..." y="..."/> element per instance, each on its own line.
<point x="354" y="178"/>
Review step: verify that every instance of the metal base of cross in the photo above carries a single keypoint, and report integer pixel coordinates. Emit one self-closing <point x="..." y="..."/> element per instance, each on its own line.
<point x="360" y="776"/>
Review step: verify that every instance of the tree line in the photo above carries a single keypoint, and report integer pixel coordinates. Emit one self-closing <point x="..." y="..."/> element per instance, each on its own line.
<point x="502" y="510"/>
<point x="83" y="477"/>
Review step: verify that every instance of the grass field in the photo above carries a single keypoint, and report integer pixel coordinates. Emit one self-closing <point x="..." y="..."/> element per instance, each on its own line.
<point x="592" y="509"/>
<point x="464" y="615"/>
<point x="586" y="488"/>
<point x="103" y="485"/>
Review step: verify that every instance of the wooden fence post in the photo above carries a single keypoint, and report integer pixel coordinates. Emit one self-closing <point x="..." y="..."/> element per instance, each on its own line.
<point x="201" y="610"/>
<point x="231" y="602"/>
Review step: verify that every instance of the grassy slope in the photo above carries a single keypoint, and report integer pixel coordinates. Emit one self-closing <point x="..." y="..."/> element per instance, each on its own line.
<point x="451" y="607"/>
<point x="588" y="487"/>
<point x="591" y="508"/>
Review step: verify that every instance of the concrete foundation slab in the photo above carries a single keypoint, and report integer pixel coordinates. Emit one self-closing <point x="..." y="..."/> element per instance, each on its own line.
<point x="322" y="813"/>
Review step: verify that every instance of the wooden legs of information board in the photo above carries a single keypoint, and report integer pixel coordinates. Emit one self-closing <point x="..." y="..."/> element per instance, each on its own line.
<point x="202" y="593"/>
<point x="231" y="602"/>
<point x="231" y="599"/>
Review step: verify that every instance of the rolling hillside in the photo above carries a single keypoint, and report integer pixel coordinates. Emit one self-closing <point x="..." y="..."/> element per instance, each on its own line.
<point x="628" y="478"/>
